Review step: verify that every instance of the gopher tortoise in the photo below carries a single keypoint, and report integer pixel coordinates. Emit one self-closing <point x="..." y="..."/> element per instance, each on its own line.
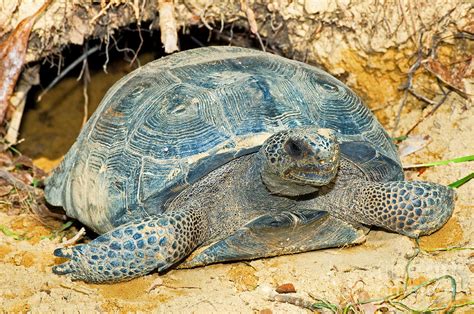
<point x="220" y="154"/>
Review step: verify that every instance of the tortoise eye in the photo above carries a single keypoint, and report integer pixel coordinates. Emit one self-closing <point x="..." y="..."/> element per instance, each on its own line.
<point x="293" y="148"/>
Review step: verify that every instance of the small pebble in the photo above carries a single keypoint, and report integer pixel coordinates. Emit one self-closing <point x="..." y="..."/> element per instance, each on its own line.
<point x="286" y="288"/>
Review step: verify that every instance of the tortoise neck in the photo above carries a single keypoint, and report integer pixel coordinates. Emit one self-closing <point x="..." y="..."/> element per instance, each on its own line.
<point x="240" y="181"/>
<point x="333" y="197"/>
<point x="230" y="196"/>
<point x="251" y="184"/>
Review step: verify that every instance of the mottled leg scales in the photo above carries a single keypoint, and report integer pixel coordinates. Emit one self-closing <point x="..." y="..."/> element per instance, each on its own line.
<point x="131" y="250"/>
<point x="410" y="208"/>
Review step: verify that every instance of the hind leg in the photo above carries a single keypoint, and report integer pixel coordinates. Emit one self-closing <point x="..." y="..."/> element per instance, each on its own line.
<point x="278" y="234"/>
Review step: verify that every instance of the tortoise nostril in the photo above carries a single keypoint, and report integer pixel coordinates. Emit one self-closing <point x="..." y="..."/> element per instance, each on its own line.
<point x="293" y="148"/>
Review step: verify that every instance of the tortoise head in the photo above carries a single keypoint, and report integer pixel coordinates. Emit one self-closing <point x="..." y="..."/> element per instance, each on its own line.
<point x="298" y="161"/>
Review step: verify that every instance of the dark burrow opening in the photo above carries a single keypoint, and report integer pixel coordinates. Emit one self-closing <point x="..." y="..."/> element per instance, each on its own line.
<point x="50" y="125"/>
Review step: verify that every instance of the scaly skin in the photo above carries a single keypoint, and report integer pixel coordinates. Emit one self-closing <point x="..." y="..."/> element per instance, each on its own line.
<point x="233" y="196"/>
<point x="134" y="249"/>
<point x="410" y="208"/>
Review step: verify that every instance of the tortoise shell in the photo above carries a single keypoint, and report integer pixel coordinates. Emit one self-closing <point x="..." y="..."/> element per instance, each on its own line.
<point x="169" y="123"/>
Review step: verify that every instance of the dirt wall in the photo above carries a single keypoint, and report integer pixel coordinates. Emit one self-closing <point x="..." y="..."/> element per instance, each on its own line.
<point x="371" y="45"/>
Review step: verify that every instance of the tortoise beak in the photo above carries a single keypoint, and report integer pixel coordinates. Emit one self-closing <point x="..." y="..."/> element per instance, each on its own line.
<point x="317" y="174"/>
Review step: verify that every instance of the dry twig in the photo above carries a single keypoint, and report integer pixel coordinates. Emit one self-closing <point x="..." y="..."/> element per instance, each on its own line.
<point x="451" y="77"/>
<point x="101" y="13"/>
<point x="74" y="239"/>
<point x="435" y="107"/>
<point x="409" y="82"/>
<point x="297" y="301"/>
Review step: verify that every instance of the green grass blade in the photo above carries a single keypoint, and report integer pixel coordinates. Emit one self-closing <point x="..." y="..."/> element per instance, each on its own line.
<point x="36" y="183"/>
<point x="323" y="305"/>
<point x="9" y="233"/>
<point x="448" y="249"/>
<point x="461" y="181"/>
<point x="13" y="149"/>
<point x="65" y="226"/>
<point x="399" y="138"/>
<point x="442" y="162"/>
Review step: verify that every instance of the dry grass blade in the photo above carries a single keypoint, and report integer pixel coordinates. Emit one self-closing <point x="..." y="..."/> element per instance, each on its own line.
<point x="8" y="177"/>
<point x="32" y="199"/>
<point x="12" y="55"/>
<point x="297" y="301"/>
<point x="20" y="183"/>
<point x="394" y="301"/>
<point x="10" y="233"/>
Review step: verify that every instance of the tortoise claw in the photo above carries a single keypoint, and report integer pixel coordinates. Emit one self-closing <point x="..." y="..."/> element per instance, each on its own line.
<point x="63" y="252"/>
<point x="73" y="265"/>
<point x="129" y="251"/>
<point x="62" y="269"/>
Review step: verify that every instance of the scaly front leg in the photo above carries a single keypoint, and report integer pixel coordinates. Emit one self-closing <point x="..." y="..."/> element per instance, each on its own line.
<point x="134" y="249"/>
<point x="409" y="208"/>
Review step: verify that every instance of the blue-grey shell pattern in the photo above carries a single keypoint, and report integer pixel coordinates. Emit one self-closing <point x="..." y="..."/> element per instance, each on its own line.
<point x="174" y="120"/>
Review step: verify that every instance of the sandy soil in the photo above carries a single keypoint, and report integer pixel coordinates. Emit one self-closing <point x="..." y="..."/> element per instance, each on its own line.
<point x="374" y="269"/>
